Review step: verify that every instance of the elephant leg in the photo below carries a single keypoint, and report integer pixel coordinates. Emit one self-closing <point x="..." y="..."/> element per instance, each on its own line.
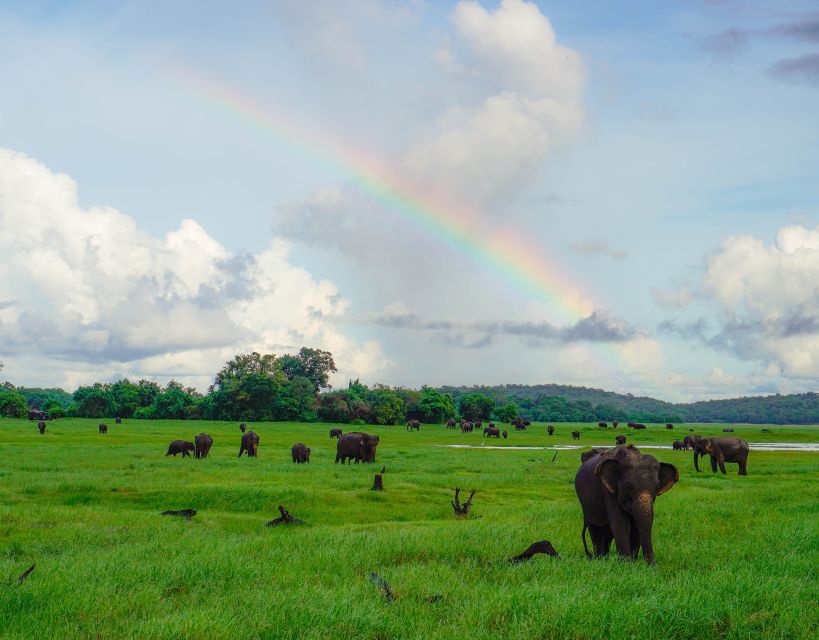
<point x="601" y="539"/>
<point x="634" y="541"/>
<point x="743" y="470"/>
<point x="722" y="465"/>
<point x="621" y="528"/>
<point x="713" y="464"/>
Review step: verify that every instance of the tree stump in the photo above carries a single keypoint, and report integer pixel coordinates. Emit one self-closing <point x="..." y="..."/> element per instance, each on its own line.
<point x="461" y="509"/>
<point x="378" y="482"/>
<point x="285" y="518"/>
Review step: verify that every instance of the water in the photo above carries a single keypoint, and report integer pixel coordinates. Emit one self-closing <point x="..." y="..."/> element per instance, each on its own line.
<point x="754" y="446"/>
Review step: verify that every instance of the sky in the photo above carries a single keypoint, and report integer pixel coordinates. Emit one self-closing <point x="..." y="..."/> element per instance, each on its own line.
<point x="617" y="195"/>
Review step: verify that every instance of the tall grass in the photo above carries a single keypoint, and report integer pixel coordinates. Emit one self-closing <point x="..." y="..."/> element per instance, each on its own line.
<point x="736" y="556"/>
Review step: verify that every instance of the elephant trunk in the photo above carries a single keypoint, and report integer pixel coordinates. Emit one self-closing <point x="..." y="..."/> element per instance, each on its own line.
<point x="643" y="512"/>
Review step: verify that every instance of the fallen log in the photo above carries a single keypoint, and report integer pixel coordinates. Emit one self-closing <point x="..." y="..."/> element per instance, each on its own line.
<point x="378" y="483"/>
<point x="184" y="513"/>
<point x="285" y="518"/>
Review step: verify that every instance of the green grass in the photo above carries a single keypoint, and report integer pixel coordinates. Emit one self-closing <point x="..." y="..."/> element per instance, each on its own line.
<point x="737" y="557"/>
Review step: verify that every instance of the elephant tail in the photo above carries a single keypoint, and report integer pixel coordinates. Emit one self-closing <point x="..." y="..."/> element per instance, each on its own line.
<point x="583" y="535"/>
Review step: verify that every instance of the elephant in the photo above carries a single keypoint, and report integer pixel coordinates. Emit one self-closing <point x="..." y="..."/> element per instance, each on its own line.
<point x="250" y="443"/>
<point x="466" y="427"/>
<point x="117" y="420"/>
<point x="356" y="446"/>
<point x="202" y="444"/>
<point x="689" y="442"/>
<point x="103" y="428"/>
<point x="677" y="445"/>
<point x="723" y="449"/>
<point x="242" y="427"/>
<point x="638" y="426"/>
<point x="450" y="423"/>
<point x="575" y="435"/>
<point x="414" y="424"/>
<point x="336" y="433"/>
<point x="527" y="423"/>
<point x="505" y="435"/>
<point x="621" y="439"/>
<point x="478" y="425"/>
<point x="41" y="426"/>
<point x="602" y="425"/>
<point x="728" y="430"/>
<point x="668" y="425"/>
<point x="585" y="455"/>
<point x="300" y="453"/>
<point x="491" y="432"/>
<point x="614" y="424"/>
<point x="520" y="427"/>
<point x="180" y="446"/>
<point x="550" y="430"/>
<point x="616" y="490"/>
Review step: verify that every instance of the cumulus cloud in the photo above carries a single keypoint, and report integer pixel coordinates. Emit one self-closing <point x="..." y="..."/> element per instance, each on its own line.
<point x="767" y="300"/>
<point x="89" y="291"/>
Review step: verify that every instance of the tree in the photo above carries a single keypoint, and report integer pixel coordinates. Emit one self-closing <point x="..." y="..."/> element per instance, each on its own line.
<point x="12" y="403"/>
<point x="507" y="412"/>
<point x="476" y="406"/>
<point x="435" y="406"/>
<point x="176" y="402"/>
<point x="93" y="401"/>
<point x="387" y="406"/>
<point x="314" y="364"/>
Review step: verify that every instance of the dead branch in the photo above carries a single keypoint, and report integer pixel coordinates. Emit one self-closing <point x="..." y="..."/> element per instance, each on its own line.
<point x="184" y="513"/>
<point x="542" y="546"/>
<point x="461" y="509"/>
<point x="385" y="587"/>
<point x="378" y="483"/>
<point x="285" y="518"/>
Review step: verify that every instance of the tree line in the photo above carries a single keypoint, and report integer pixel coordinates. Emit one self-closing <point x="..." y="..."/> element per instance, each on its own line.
<point x="265" y="387"/>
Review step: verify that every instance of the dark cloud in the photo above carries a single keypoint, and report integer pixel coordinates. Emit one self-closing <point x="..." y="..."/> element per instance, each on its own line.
<point x="801" y="70"/>
<point x="598" y="247"/>
<point x="806" y="29"/>
<point x="598" y="327"/>
<point x="731" y="42"/>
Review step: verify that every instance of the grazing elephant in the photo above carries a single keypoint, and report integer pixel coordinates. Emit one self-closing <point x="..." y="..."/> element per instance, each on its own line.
<point x="617" y="490"/>
<point x="638" y="426"/>
<point x="117" y="420"/>
<point x="180" y="446"/>
<point x="621" y="439"/>
<point x="491" y="432"/>
<point x="677" y="445"/>
<point x="668" y="425"/>
<point x="550" y="430"/>
<point x="202" y="444"/>
<point x="250" y="443"/>
<point x="41" y="426"/>
<point x="520" y="427"/>
<point x="723" y="449"/>
<point x="728" y="430"/>
<point x="689" y="442"/>
<point x="614" y="424"/>
<point x="300" y="453"/>
<point x="450" y="423"/>
<point x="356" y="446"/>
<point x="103" y="428"/>
<point x="575" y="435"/>
<point x="505" y="435"/>
<point x="336" y="433"/>
<point x="414" y="424"/>
<point x="466" y="427"/>
<point x="602" y="425"/>
<point x="242" y="427"/>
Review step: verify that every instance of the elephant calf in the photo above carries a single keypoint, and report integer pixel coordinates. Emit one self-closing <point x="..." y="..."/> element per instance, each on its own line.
<point x="103" y="428"/>
<point x="117" y="420"/>
<point x="180" y="446"/>
<point x="550" y="430"/>
<point x="336" y="433"/>
<point x="505" y="434"/>
<point x="41" y="427"/>
<point x="575" y="435"/>
<point x="677" y="445"/>
<point x="723" y="449"/>
<point x="414" y="424"/>
<point x="300" y="453"/>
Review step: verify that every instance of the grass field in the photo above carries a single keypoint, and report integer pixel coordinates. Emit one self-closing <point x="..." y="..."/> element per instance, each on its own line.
<point x="737" y="557"/>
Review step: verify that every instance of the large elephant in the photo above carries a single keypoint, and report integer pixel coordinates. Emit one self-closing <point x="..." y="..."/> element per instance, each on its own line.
<point x="722" y="449"/>
<point x="491" y="432"/>
<point x="356" y="446"/>
<point x="413" y="424"/>
<point x="550" y="430"/>
<point x="180" y="446"/>
<point x="250" y="443"/>
<point x="602" y="425"/>
<point x="617" y="490"/>
<point x="300" y="453"/>
<point x="466" y="427"/>
<point x="202" y="444"/>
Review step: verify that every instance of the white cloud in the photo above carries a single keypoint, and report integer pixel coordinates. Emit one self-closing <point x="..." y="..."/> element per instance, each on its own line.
<point x="88" y="292"/>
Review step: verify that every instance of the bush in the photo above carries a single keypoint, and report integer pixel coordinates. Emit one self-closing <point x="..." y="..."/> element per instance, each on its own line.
<point x="357" y="422"/>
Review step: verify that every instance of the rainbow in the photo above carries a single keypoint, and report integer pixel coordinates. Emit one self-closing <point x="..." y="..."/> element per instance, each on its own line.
<point x="507" y="253"/>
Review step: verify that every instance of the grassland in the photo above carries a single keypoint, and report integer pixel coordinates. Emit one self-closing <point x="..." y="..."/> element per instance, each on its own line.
<point x="737" y="557"/>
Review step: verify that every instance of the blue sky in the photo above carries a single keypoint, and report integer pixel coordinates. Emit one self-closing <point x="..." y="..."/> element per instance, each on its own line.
<point x="663" y="154"/>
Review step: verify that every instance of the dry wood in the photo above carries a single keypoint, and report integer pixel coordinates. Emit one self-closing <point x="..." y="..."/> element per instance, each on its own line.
<point x="285" y="518"/>
<point x="461" y="509"/>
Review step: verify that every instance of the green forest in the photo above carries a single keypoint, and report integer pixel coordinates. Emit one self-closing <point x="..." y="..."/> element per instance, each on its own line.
<point x="265" y="387"/>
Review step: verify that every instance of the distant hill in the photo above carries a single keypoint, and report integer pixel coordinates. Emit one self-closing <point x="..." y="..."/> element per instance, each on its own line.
<point x="564" y="403"/>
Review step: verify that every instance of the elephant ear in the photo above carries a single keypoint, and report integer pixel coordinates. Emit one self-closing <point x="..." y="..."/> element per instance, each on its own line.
<point x="609" y="471"/>
<point x="669" y="476"/>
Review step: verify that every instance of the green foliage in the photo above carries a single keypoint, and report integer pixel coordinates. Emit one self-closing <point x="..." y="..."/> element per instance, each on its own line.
<point x="94" y="401"/>
<point x="434" y="406"/>
<point x="475" y="406"/>
<point x="314" y="364"/>
<point x="507" y="412"/>
<point x="12" y="402"/>
<point x="387" y="407"/>
<point x="38" y="398"/>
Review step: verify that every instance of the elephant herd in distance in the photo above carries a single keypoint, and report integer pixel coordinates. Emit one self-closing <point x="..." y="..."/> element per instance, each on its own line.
<point x="616" y="487"/>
